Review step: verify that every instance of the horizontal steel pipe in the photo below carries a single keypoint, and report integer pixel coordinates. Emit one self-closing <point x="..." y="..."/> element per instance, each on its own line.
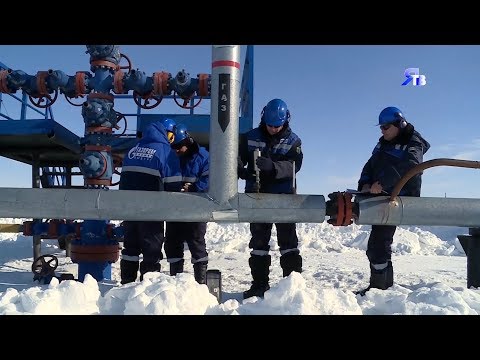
<point x="89" y="204"/>
<point x="379" y="210"/>
<point x="150" y="206"/>
<point x="281" y="208"/>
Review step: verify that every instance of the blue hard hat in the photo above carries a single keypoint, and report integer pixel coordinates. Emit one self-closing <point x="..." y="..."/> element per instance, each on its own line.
<point x="275" y="113"/>
<point x="181" y="134"/>
<point x="390" y="115"/>
<point x="169" y="124"/>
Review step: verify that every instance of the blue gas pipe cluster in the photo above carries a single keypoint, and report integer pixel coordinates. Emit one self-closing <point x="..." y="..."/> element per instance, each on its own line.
<point x="95" y="246"/>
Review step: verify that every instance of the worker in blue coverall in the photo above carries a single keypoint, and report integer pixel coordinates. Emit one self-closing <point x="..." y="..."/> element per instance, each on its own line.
<point x="399" y="149"/>
<point x="151" y="165"/>
<point x="281" y="158"/>
<point x="194" y="163"/>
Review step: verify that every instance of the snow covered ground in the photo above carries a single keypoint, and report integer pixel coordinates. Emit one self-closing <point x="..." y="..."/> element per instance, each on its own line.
<point x="429" y="264"/>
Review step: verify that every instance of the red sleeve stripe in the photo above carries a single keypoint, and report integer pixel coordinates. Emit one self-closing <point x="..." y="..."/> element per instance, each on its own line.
<point x="225" y="63"/>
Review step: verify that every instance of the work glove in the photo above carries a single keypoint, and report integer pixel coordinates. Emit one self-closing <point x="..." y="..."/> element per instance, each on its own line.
<point x="187" y="187"/>
<point x="242" y="172"/>
<point x="265" y="164"/>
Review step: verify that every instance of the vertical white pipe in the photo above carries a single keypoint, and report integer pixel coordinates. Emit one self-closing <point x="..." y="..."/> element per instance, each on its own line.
<point x="224" y="122"/>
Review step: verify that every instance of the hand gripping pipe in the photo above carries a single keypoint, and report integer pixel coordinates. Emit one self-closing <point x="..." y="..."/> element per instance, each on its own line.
<point x="421" y="211"/>
<point x="368" y="209"/>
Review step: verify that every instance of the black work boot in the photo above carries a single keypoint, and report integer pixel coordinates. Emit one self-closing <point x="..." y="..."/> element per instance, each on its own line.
<point x="200" y="272"/>
<point x="176" y="267"/>
<point x="148" y="267"/>
<point x="260" y="268"/>
<point x="291" y="261"/>
<point x="128" y="271"/>
<point x="379" y="279"/>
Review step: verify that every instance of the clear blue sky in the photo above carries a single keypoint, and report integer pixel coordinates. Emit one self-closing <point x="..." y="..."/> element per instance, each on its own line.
<point x="334" y="94"/>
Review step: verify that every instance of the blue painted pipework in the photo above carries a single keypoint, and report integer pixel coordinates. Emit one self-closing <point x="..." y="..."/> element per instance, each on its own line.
<point x="100" y="119"/>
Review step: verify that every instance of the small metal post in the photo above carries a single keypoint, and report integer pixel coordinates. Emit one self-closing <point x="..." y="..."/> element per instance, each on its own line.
<point x="294" y="179"/>
<point x="471" y="246"/>
<point x="68" y="245"/>
<point x="37" y="239"/>
<point x="68" y="177"/>
<point x="37" y="246"/>
<point x="35" y="172"/>
<point x="256" y="154"/>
